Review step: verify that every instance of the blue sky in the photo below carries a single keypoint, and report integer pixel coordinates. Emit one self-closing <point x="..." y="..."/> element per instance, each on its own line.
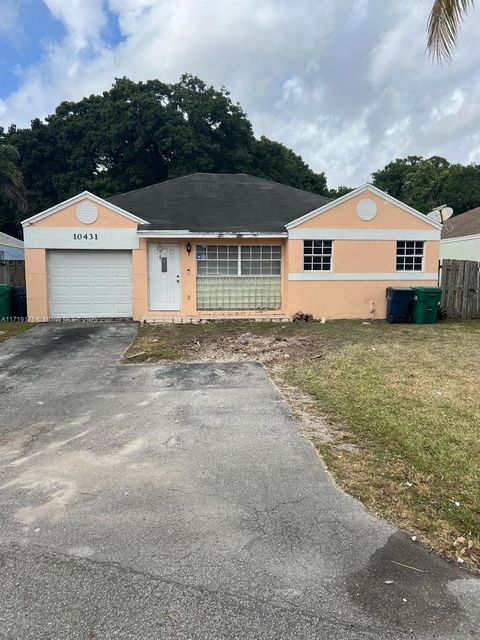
<point x="345" y="83"/>
<point x="25" y="43"/>
<point x="35" y="29"/>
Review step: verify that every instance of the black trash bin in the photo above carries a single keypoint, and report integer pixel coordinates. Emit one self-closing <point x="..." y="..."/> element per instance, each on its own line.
<point x="19" y="303"/>
<point x="399" y="304"/>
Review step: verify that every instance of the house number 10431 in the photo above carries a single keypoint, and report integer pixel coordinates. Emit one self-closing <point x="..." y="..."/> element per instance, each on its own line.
<point x="85" y="236"/>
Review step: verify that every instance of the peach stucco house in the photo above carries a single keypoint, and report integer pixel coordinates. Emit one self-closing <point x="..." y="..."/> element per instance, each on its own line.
<point x="224" y="245"/>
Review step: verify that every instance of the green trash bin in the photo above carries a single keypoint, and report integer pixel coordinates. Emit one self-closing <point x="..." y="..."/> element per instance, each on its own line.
<point x="5" y="301"/>
<point x="425" y="304"/>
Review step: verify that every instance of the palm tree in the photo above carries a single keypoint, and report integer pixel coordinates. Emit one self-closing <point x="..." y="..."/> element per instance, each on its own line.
<point x="443" y="26"/>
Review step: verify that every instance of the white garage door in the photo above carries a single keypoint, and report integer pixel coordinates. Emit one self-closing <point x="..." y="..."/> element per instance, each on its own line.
<point x="90" y="284"/>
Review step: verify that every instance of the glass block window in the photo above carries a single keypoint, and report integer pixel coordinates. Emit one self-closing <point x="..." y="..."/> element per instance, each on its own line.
<point x="261" y="261"/>
<point x="258" y="293"/>
<point x="215" y="260"/>
<point x="317" y="255"/>
<point x="239" y="277"/>
<point x="409" y="255"/>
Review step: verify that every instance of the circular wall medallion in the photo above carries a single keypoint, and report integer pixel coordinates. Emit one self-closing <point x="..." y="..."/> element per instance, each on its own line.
<point x="366" y="209"/>
<point x="86" y="212"/>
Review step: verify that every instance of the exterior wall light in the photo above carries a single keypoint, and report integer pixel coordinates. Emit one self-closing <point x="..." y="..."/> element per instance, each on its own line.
<point x="189" y="248"/>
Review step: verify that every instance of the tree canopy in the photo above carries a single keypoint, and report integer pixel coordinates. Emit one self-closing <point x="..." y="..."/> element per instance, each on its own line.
<point x="12" y="191"/>
<point x="140" y="133"/>
<point x="426" y="183"/>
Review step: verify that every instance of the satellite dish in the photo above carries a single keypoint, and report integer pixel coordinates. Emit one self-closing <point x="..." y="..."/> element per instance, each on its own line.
<point x="441" y="214"/>
<point x="447" y="212"/>
<point x="435" y="215"/>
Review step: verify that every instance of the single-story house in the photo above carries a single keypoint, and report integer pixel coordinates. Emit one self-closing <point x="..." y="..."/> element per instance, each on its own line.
<point x="461" y="237"/>
<point x="225" y="245"/>
<point x="10" y="248"/>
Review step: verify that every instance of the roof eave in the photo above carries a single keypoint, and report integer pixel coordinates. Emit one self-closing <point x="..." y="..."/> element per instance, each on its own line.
<point x="366" y="187"/>
<point x="472" y="236"/>
<point x="174" y="233"/>
<point x="83" y="194"/>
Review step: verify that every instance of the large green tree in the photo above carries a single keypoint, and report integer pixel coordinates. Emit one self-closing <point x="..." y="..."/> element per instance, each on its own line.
<point x="140" y="133"/>
<point x="13" y="201"/>
<point x="275" y="161"/>
<point x="340" y="191"/>
<point x="425" y="183"/>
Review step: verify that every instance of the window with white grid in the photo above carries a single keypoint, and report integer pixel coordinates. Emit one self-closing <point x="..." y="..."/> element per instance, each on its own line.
<point x="261" y="261"/>
<point x="217" y="260"/>
<point x="410" y="255"/>
<point x="226" y="260"/>
<point x="317" y="255"/>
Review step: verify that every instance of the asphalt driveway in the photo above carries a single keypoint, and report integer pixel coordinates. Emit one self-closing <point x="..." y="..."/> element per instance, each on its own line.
<point x="182" y="501"/>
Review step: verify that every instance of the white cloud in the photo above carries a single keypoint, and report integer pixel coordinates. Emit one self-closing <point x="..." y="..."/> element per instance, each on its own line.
<point x="83" y="20"/>
<point x="9" y="10"/>
<point x="346" y="84"/>
<point x="129" y="13"/>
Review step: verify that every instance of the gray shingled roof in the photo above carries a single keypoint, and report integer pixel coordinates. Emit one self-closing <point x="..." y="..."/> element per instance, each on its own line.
<point x="465" y="224"/>
<point x="10" y="241"/>
<point x="218" y="202"/>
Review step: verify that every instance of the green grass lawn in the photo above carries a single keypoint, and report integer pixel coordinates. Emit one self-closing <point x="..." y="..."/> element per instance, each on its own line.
<point x="408" y="398"/>
<point x="401" y="404"/>
<point x="10" y="329"/>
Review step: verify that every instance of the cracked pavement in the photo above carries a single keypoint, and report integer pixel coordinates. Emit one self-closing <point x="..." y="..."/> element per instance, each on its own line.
<point x="183" y="501"/>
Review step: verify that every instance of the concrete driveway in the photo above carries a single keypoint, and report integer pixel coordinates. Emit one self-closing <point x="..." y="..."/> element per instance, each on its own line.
<point x="182" y="501"/>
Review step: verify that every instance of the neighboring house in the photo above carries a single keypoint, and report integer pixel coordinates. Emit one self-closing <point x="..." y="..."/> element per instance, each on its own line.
<point x="10" y="247"/>
<point x="223" y="245"/>
<point x="461" y="237"/>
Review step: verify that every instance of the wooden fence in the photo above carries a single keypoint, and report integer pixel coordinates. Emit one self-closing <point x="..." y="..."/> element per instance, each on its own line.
<point x="460" y="282"/>
<point x="12" y="272"/>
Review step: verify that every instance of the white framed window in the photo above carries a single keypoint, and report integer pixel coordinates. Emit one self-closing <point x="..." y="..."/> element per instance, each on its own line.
<point x="410" y="255"/>
<point x="232" y="260"/>
<point x="261" y="261"/>
<point x="317" y="255"/>
<point x="213" y="260"/>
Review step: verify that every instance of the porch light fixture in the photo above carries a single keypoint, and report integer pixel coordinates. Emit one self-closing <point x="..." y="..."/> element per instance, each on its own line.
<point x="189" y="248"/>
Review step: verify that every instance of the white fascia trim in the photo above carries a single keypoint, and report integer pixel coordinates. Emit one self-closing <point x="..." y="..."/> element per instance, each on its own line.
<point x="371" y="189"/>
<point x="145" y="233"/>
<point x="80" y="238"/>
<point x="330" y="275"/>
<point x="362" y="234"/>
<point x="77" y="198"/>
<point x="476" y="236"/>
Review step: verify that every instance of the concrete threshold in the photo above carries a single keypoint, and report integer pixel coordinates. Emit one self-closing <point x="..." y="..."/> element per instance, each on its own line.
<point x="216" y="317"/>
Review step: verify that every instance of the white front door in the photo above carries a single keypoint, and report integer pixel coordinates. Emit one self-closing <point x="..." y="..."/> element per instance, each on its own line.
<point x="164" y="276"/>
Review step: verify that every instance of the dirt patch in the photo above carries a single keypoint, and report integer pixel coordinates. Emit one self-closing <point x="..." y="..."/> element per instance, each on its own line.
<point x="268" y="343"/>
<point x="248" y="346"/>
